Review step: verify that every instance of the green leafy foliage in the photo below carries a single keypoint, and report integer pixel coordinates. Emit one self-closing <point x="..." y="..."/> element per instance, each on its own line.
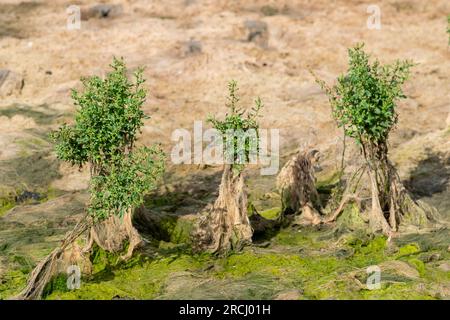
<point x="108" y="120"/>
<point x="128" y="179"/>
<point x="364" y="99"/>
<point x="235" y="128"/>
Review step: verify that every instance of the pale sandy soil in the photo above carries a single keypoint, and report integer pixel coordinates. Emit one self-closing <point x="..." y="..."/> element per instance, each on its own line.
<point x="184" y="88"/>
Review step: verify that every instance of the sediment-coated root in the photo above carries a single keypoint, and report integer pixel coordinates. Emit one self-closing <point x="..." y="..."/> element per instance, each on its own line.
<point x="45" y="270"/>
<point x="391" y="205"/>
<point x="296" y="183"/>
<point x="309" y="216"/>
<point x="112" y="234"/>
<point x="109" y="235"/>
<point x="225" y="225"/>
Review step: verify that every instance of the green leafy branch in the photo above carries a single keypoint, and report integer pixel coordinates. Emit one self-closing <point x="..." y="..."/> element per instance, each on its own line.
<point x="237" y="123"/>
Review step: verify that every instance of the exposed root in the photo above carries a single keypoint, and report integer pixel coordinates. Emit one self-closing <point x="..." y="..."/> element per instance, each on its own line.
<point x="344" y="202"/>
<point x="296" y="183"/>
<point x="391" y="204"/>
<point x="112" y="234"/>
<point x="45" y="270"/>
<point x="74" y="255"/>
<point x="377" y="221"/>
<point x="408" y="210"/>
<point x="308" y="216"/>
<point x="226" y="225"/>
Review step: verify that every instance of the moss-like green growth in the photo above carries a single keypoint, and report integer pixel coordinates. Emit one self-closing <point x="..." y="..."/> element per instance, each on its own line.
<point x="350" y="220"/>
<point x="142" y="278"/>
<point x="300" y="262"/>
<point x="6" y="204"/>
<point x="330" y="188"/>
<point x="367" y="250"/>
<point x="327" y="181"/>
<point x="239" y="265"/>
<point x="408" y="249"/>
<point x="300" y="239"/>
<point x="177" y="229"/>
<point x="419" y="265"/>
<point x="369" y="246"/>
<point x="434" y="239"/>
<point x="11" y="282"/>
<point x="272" y="213"/>
<point x="7" y="200"/>
<point x="318" y="262"/>
<point x="58" y="283"/>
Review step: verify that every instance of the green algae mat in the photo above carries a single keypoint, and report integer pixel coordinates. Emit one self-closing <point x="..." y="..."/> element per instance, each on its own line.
<point x="297" y="264"/>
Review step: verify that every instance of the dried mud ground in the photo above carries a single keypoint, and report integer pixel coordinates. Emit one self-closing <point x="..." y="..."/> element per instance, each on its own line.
<point x="190" y="50"/>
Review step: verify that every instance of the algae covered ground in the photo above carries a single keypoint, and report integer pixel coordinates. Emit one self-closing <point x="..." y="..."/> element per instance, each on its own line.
<point x="323" y="262"/>
<point x="297" y="264"/>
<point x="291" y="263"/>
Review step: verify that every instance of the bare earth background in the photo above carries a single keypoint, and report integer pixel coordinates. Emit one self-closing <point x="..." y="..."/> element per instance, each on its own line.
<point x="190" y="50"/>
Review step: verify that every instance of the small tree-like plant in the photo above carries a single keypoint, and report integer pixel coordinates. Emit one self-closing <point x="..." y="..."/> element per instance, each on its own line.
<point x="103" y="137"/>
<point x="364" y="104"/>
<point x="226" y="225"/>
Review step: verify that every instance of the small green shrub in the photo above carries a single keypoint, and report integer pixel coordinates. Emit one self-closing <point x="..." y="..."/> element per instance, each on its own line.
<point x="364" y="99"/>
<point x="107" y="122"/>
<point x="234" y="127"/>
